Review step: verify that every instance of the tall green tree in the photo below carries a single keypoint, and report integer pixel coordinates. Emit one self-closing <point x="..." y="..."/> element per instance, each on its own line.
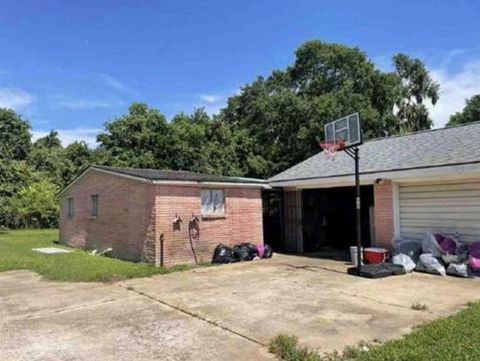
<point x="77" y="158"/>
<point x="282" y="117"/>
<point x="47" y="155"/>
<point x="14" y="135"/>
<point x="469" y="114"/>
<point x="189" y="141"/>
<point x="203" y="144"/>
<point x="137" y="139"/>
<point x="35" y="205"/>
<point x="416" y="86"/>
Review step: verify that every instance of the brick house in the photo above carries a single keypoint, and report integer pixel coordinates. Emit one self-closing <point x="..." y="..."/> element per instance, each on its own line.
<point x="131" y="210"/>
<point x="410" y="184"/>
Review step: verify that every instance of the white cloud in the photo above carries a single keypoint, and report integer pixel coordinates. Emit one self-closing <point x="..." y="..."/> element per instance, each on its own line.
<point x="79" y="104"/>
<point x="116" y="84"/>
<point x="68" y="136"/>
<point x="13" y="98"/>
<point x="210" y="98"/>
<point x="455" y="88"/>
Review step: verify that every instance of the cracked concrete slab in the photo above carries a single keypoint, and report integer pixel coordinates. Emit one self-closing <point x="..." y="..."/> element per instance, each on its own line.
<point x="83" y="321"/>
<point x="216" y="313"/>
<point x="311" y="298"/>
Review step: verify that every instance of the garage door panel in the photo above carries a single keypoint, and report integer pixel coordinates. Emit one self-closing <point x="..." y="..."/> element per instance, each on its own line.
<point x="435" y="202"/>
<point x="432" y="223"/>
<point x="449" y="208"/>
<point x="440" y="187"/>
<point x="442" y="215"/>
<point x="440" y="209"/>
<point x="421" y="231"/>
<point x="433" y="195"/>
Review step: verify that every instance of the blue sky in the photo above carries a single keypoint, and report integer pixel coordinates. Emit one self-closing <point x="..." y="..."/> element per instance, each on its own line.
<point x="71" y="66"/>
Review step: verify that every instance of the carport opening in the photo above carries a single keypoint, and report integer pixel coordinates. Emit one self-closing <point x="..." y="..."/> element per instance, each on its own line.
<point x="329" y="227"/>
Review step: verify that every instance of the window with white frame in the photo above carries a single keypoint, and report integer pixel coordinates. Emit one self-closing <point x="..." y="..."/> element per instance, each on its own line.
<point x="70" y="207"/>
<point x="94" y="205"/>
<point x="213" y="202"/>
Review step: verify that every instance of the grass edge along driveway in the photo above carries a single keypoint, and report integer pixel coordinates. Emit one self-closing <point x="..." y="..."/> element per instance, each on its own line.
<point x="448" y="339"/>
<point x="78" y="266"/>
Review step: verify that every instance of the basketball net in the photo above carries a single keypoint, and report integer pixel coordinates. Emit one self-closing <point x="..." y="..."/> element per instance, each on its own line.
<point x="332" y="146"/>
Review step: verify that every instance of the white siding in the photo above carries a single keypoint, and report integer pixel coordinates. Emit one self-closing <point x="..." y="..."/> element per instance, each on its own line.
<point x="441" y="207"/>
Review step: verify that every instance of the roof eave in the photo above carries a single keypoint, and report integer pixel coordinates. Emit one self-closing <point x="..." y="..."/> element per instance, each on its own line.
<point x="451" y="171"/>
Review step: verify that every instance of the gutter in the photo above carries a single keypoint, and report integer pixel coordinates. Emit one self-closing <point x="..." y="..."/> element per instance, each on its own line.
<point x="257" y="184"/>
<point x="373" y="172"/>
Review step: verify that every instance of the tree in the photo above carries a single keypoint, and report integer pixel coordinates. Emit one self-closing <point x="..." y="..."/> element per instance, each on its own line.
<point x="415" y="87"/>
<point x="14" y="135"/>
<point x="188" y="141"/>
<point x="47" y="155"/>
<point x="77" y="158"/>
<point x="51" y="140"/>
<point x="469" y="114"/>
<point x="36" y="205"/>
<point x="137" y="139"/>
<point x="281" y="118"/>
<point x="202" y="144"/>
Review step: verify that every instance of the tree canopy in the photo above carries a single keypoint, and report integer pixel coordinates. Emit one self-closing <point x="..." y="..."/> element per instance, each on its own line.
<point x="14" y="136"/>
<point x="283" y="115"/>
<point x="416" y="86"/>
<point x="469" y="114"/>
<point x="271" y="124"/>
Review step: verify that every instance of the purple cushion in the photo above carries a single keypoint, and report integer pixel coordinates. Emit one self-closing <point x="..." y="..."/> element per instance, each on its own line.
<point x="260" y="250"/>
<point x="475" y="250"/>
<point x="447" y="244"/>
<point x="474" y="263"/>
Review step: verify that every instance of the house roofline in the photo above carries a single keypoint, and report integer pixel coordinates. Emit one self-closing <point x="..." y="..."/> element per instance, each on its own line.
<point x="341" y="178"/>
<point x="165" y="181"/>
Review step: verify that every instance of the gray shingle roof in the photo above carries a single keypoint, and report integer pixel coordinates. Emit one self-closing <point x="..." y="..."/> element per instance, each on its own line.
<point x="426" y="149"/>
<point x="162" y="174"/>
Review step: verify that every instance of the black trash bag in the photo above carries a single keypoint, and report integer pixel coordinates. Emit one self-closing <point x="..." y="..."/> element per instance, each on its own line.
<point x="223" y="254"/>
<point x="378" y="270"/>
<point x="411" y="249"/>
<point x="252" y="249"/>
<point x="242" y="253"/>
<point x="267" y="253"/>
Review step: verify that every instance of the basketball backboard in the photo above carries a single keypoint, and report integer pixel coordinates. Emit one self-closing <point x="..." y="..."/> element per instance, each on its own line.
<point x="347" y="130"/>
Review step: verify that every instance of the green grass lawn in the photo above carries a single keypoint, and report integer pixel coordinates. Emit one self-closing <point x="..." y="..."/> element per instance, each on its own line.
<point x="450" y="339"/>
<point x="16" y="253"/>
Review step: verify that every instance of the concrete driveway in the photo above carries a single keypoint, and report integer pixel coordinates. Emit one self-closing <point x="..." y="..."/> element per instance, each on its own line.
<point x="218" y="313"/>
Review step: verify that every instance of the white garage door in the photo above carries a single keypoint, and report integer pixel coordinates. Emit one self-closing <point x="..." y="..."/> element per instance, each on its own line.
<point x="446" y="207"/>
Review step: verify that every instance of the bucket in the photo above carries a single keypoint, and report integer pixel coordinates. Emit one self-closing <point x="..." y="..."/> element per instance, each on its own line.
<point x="353" y="255"/>
<point x="375" y="255"/>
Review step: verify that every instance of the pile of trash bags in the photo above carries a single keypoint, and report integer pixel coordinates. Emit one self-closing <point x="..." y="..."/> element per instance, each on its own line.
<point x="241" y="252"/>
<point x="439" y="254"/>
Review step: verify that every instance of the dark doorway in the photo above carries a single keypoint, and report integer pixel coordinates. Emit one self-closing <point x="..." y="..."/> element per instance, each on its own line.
<point x="272" y="219"/>
<point x="329" y="217"/>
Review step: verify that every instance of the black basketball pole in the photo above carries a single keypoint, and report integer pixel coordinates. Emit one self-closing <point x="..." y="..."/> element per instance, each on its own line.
<point x="355" y="155"/>
<point x="358" y="210"/>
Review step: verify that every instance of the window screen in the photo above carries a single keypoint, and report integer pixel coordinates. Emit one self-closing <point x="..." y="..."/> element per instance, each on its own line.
<point x="213" y="202"/>
<point x="94" y="205"/>
<point x="70" y="207"/>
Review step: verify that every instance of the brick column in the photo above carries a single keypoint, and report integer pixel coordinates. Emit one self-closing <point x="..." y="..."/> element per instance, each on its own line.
<point x="384" y="214"/>
<point x="293" y="232"/>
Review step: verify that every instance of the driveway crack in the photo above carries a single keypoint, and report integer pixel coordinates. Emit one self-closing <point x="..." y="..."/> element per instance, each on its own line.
<point x="194" y="315"/>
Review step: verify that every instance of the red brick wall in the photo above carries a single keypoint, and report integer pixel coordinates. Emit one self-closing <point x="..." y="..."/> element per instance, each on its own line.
<point x="242" y="222"/>
<point x="384" y="230"/>
<point x="125" y="221"/>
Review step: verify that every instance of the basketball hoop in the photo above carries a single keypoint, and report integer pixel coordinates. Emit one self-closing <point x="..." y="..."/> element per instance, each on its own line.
<point x="331" y="147"/>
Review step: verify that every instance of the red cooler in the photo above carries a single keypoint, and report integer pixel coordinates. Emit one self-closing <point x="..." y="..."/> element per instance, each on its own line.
<point x="375" y="255"/>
